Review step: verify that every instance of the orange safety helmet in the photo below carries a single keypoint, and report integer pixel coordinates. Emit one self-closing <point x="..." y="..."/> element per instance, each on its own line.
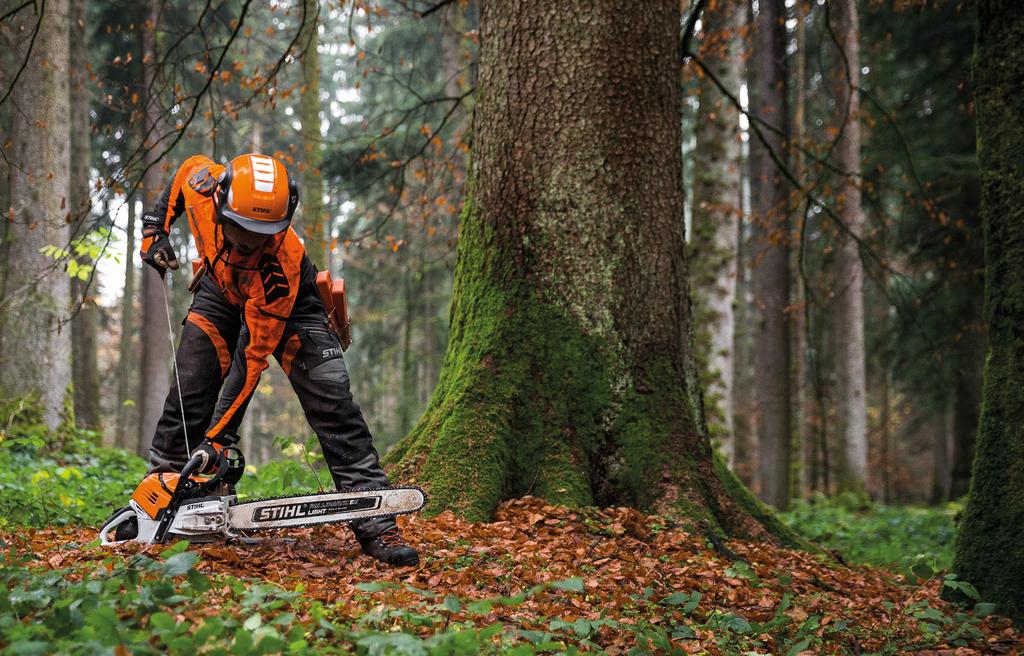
<point x="257" y="193"/>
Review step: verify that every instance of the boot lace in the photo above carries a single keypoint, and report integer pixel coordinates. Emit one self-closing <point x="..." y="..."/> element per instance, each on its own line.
<point x="391" y="538"/>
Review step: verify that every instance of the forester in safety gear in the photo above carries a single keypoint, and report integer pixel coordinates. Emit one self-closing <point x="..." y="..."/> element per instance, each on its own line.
<point x="257" y="298"/>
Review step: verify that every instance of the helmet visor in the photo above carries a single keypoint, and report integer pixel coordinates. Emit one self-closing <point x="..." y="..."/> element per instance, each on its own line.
<point x="253" y="225"/>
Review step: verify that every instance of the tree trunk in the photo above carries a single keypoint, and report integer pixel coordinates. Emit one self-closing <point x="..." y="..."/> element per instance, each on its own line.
<point x="126" y="343"/>
<point x="848" y="302"/>
<point x="410" y="295"/>
<point x="35" y="349"/>
<point x="966" y="408"/>
<point x="570" y="372"/>
<point x="886" y="437"/>
<point x="771" y="258"/>
<point x="85" y="370"/>
<point x="943" y="432"/>
<point x="716" y="215"/>
<point x="802" y="435"/>
<point x="989" y="551"/>
<point x="315" y="229"/>
<point x="154" y="379"/>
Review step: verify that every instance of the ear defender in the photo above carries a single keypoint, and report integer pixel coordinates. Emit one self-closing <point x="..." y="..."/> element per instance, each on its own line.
<point x="223" y="189"/>
<point x="293" y="195"/>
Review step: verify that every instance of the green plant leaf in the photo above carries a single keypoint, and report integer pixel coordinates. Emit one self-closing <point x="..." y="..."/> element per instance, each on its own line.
<point x="574" y="584"/>
<point x="799" y="647"/>
<point x="984" y="608"/>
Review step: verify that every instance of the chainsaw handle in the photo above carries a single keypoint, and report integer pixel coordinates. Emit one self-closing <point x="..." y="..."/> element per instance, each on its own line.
<point x="190" y="466"/>
<point x="184" y="485"/>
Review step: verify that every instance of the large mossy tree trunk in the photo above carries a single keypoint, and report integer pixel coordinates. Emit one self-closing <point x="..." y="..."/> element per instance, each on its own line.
<point x="570" y="373"/>
<point x="989" y="549"/>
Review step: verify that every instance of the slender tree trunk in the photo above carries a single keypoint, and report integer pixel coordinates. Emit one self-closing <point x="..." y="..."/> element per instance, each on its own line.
<point x="154" y="379"/>
<point x="989" y="550"/>
<point x="744" y="439"/>
<point x="773" y="408"/>
<point x="314" y="225"/>
<point x="85" y="370"/>
<point x="35" y="349"/>
<point x="570" y="372"/>
<point x="802" y="437"/>
<point x="886" y="437"/>
<point x="848" y="302"/>
<point x="966" y="410"/>
<point x="943" y="432"/>
<point x="407" y="400"/>
<point x="126" y="351"/>
<point x="716" y="215"/>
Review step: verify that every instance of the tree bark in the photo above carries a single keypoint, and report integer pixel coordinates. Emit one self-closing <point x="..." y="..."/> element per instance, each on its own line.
<point x="848" y="302"/>
<point x="570" y="372"/>
<point x="126" y="342"/>
<point x="716" y="215"/>
<point x="802" y="435"/>
<point x="84" y="325"/>
<point x="989" y="551"/>
<point x="154" y="379"/>
<point x="35" y="349"/>
<point x="315" y="230"/>
<point x="772" y="374"/>
<point x="942" y="436"/>
<point x="966" y="409"/>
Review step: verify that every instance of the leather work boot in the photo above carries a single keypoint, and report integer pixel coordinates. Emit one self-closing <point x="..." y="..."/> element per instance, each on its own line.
<point x="389" y="547"/>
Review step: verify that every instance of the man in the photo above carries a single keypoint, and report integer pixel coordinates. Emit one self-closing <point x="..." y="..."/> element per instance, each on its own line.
<point x="257" y="297"/>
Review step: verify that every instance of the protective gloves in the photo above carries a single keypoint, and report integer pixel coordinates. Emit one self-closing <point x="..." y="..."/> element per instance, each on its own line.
<point x="157" y="251"/>
<point x="209" y="450"/>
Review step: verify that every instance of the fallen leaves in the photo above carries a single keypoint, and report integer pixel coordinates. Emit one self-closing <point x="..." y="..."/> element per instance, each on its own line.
<point x="627" y="562"/>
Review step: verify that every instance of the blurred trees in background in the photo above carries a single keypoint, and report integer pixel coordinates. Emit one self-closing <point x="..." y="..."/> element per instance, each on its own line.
<point x="35" y="338"/>
<point x="380" y="120"/>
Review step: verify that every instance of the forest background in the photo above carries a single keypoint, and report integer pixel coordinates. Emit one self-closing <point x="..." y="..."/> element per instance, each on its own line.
<point x="831" y="200"/>
<point x="391" y="93"/>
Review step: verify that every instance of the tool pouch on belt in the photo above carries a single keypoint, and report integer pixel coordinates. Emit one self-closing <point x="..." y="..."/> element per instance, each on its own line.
<point x="332" y="293"/>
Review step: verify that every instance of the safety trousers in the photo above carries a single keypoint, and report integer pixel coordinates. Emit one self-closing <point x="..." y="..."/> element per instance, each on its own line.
<point x="310" y="355"/>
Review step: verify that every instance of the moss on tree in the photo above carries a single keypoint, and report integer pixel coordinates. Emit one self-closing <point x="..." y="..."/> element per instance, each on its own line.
<point x="990" y="548"/>
<point x="570" y="372"/>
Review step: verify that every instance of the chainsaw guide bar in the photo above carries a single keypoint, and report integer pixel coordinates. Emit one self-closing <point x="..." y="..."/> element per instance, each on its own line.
<point x="324" y="508"/>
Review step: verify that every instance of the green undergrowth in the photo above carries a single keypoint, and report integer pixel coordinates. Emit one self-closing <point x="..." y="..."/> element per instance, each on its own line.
<point x="144" y="605"/>
<point x="70" y="480"/>
<point x="66" y="478"/>
<point x="894" y="537"/>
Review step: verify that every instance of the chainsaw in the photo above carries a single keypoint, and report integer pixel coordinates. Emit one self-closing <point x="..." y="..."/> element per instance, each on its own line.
<point x="202" y="509"/>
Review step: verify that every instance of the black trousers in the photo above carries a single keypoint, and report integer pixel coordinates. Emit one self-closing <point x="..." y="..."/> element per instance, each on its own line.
<point x="310" y="354"/>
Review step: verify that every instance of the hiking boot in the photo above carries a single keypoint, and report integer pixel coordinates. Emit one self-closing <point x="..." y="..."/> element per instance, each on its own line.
<point x="389" y="547"/>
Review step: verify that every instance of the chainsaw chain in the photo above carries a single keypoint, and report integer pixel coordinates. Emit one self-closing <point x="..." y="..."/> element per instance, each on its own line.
<point x="336" y="521"/>
<point x="320" y="494"/>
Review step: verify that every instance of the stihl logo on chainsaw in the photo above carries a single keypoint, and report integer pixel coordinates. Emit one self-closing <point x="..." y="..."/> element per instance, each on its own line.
<point x="314" y="509"/>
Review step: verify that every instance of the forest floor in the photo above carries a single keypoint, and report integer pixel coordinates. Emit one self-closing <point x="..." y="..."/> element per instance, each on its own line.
<point x="537" y="579"/>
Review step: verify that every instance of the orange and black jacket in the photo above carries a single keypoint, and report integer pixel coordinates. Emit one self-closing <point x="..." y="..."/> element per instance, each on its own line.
<point x="263" y="285"/>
